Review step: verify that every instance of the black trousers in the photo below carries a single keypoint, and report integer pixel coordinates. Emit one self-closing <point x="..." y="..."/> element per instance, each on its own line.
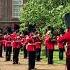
<point x="16" y="55"/>
<point x="38" y="53"/>
<point x="25" y="52"/>
<point x="68" y="63"/>
<point x="8" y="53"/>
<point x="50" y="56"/>
<point x="31" y="60"/>
<point x="4" y="48"/>
<point x="46" y="52"/>
<point x="0" y="50"/>
<point x="61" y="50"/>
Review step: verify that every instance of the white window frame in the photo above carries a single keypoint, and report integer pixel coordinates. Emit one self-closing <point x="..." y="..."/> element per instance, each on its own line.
<point x="16" y="5"/>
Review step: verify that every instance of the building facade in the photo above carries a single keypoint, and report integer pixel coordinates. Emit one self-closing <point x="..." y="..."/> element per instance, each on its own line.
<point x="9" y="12"/>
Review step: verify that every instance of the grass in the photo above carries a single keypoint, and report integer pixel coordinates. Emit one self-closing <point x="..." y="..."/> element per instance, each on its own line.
<point x="55" y="56"/>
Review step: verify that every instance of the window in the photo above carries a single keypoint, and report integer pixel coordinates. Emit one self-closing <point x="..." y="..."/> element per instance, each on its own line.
<point x="0" y="9"/>
<point x="16" y="4"/>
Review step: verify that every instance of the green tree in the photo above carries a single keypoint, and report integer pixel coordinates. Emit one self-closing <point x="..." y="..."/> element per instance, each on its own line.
<point x="43" y="13"/>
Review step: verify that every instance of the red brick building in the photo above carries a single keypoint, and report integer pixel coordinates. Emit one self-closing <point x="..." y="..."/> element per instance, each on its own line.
<point x="9" y="12"/>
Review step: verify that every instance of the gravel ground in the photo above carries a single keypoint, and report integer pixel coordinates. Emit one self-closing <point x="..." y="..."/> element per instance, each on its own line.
<point x="24" y="65"/>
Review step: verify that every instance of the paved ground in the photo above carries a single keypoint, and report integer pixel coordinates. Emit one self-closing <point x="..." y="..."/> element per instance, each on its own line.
<point x="23" y="65"/>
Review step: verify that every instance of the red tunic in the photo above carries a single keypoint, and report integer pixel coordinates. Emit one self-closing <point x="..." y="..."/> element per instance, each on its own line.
<point x="38" y="45"/>
<point x="16" y="44"/>
<point x="7" y="37"/>
<point x="48" y="43"/>
<point x="23" y="41"/>
<point x="60" y="45"/>
<point x="30" y="47"/>
<point x="13" y="36"/>
<point x="29" y="38"/>
<point x="3" y="42"/>
<point x="7" y="43"/>
<point x="45" y="40"/>
<point x="66" y="38"/>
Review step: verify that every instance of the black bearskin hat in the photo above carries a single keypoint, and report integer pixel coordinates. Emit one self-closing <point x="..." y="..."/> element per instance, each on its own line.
<point x="67" y="19"/>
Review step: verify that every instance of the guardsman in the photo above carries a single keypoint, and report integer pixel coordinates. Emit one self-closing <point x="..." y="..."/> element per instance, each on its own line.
<point x="26" y="38"/>
<point x="8" y="47"/>
<point x="46" y="51"/>
<point x="31" y="54"/>
<point x="66" y="38"/>
<point x="45" y="37"/>
<point x="60" y="45"/>
<point x="61" y="49"/>
<point x="50" y="47"/>
<point x="13" y="35"/>
<point x="23" y="42"/>
<point x="37" y="41"/>
<point x="49" y="44"/>
<point x="38" y="50"/>
<point x="16" y="44"/>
